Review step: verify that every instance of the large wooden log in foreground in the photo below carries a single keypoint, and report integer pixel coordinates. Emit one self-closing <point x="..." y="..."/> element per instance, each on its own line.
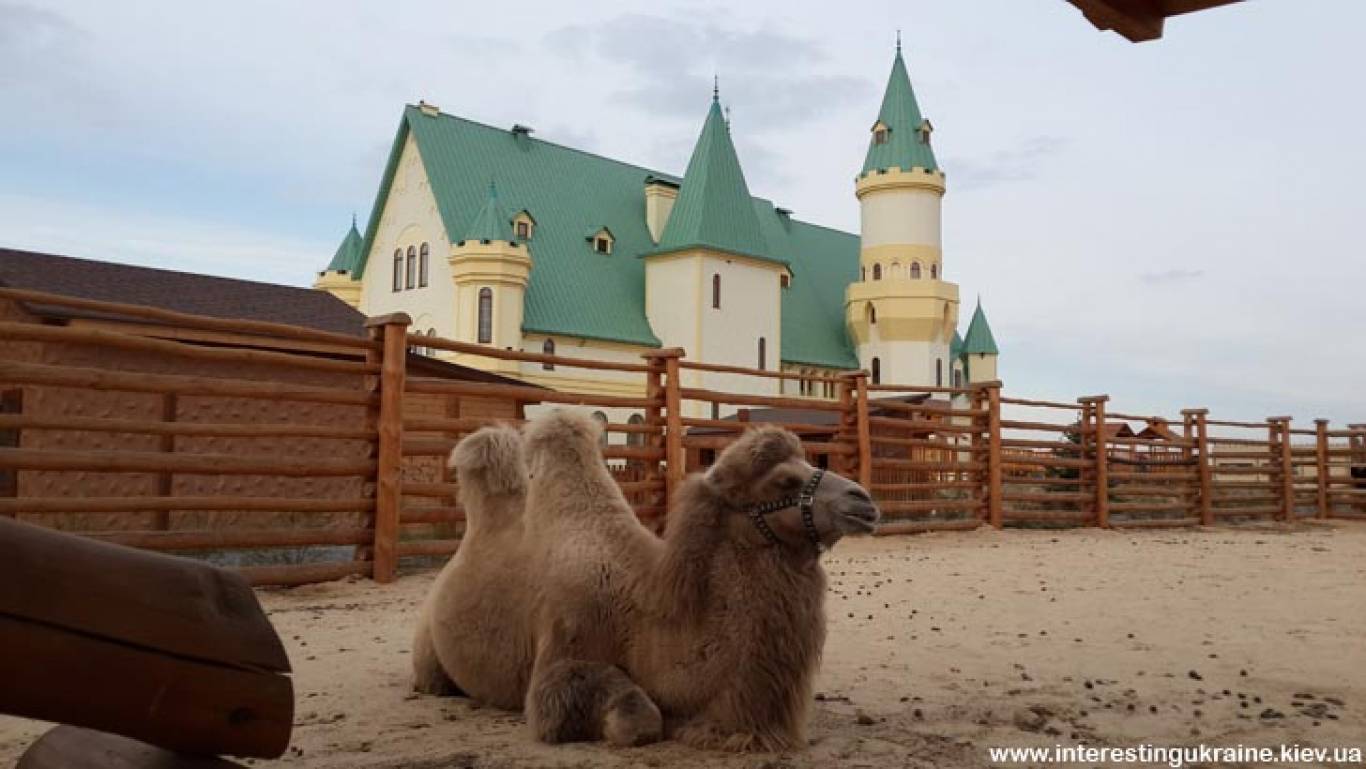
<point x="67" y="747"/>
<point x="165" y="650"/>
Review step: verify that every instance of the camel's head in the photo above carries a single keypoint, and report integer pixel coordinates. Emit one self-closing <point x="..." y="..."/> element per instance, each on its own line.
<point x="489" y="462"/>
<point x="765" y="475"/>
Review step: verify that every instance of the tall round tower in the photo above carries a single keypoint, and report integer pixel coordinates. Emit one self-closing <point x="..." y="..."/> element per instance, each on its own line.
<point x="901" y="312"/>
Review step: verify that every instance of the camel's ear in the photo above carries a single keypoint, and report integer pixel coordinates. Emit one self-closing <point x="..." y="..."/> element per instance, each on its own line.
<point x="491" y="458"/>
<point x="752" y="457"/>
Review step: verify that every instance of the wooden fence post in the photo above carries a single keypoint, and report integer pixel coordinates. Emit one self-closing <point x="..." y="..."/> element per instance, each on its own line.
<point x="1279" y="428"/>
<point x="1321" y="467"/>
<point x="654" y="419"/>
<point x="1101" y="449"/>
<point x="166" y="480"/>
<point x="865" y="434"/>
<point x="845" y="464"/>
<point x="995" y="510"/>
<point x="392" y="332"/>
<point x="675" y="461"/>
<point x="1203" y="474"/>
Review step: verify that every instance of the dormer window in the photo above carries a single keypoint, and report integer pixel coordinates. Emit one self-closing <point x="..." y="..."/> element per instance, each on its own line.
<point x="881" y="133"/>
<point x="523" y="225"/>
<point x="785" y="280"/>
<point x="601" y="240"/>
<point x="924" y="131"/>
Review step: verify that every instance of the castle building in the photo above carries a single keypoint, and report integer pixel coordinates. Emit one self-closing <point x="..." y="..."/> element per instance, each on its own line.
<point x="492" y="236"/>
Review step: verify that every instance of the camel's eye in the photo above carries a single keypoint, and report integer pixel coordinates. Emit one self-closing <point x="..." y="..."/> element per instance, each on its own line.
<point x="790" y="483"/>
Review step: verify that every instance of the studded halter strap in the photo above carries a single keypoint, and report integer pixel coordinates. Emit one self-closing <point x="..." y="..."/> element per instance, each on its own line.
<point x="804" y="502"/>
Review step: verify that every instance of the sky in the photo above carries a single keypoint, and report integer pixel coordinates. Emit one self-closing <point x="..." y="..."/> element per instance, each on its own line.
<point x="1176" y="223"/>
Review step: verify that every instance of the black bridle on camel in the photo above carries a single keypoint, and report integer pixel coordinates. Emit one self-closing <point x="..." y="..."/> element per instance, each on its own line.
<point x="804" y="502"/>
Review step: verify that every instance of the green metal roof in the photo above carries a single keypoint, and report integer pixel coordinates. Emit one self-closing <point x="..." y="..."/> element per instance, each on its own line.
<point x="900" y="113"/>
<point x="350" y="255"/>
<point x="713" y="208"/>
<point x="979" y="339"/>
<point x="956" y="346"/>
<point x="576" y="291"/>
<point x="492" y="222"/>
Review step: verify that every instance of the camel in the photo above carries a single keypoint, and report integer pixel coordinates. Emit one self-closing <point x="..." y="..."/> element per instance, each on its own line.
<point x="599" y="629"/>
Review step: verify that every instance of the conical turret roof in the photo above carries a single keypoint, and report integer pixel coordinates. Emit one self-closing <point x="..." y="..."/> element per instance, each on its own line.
<point x="492" y="222"/>
<point x="349" y="254"/>
<point x="979" y="340"/>
<point x="900" y="114"/>
<point x="714" y="208"/>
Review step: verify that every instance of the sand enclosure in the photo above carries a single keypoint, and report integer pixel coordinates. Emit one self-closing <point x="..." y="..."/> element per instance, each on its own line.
<point x="940" y="646"/>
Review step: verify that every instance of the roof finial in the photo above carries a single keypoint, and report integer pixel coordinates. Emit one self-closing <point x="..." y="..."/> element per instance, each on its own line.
<point x="353" y="219"/>
<point x="716" y="88"/>
<point x="898" y="42"/>
<point x="727" y="111"/>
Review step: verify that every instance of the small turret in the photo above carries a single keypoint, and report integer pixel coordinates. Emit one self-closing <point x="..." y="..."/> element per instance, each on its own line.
<point x="491" y="270"/>
<point x="979" y="348"/>
<point x="342" y="276"/>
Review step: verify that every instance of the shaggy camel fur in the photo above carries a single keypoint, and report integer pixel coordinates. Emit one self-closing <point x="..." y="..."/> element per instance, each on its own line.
<point x="712" y="634"/>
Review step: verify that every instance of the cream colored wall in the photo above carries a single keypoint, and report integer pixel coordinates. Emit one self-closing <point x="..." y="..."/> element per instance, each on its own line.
<point x="906" y="362"/>
<point x="751" y="307"/>
<point x="659" y="203"/>
<point x="901" y="216"/>
<point x="673" y="299"/>
<point x="982" y="368"/>
<point x="410" y="217"/>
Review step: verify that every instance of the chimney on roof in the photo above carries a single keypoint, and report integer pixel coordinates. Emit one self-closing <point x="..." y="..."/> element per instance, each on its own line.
<point x="660" y="195"/>
<point x="784" y="216"/>
<point x="430" y="110"/>
<point x="521" y="130"/>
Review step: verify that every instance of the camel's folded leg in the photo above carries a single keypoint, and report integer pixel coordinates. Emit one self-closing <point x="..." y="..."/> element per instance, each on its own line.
<point x="571" y="700"/>
<point x="428" y="675"/>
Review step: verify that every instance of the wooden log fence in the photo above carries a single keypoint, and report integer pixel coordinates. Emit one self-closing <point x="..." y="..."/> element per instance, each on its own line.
<point x="935" y="458"/>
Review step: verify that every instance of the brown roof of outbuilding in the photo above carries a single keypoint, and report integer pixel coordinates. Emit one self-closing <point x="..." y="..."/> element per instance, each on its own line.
<point x="172" y="290"/>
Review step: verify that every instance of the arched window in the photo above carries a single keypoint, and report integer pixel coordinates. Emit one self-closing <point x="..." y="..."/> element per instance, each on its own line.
<point x="411" y="271"/>
<point x="716" y="292"/>
<point x="934" y="272"/>
<point x="872" y="314"/>
<point x="863" y="273"/>
<point x="762" y="350"/>
<point x="877" y="371"/>
<point x="915" y="270"/>
<point x="422" y="265"/>
<point x="958" y="377"/>
<point x="601" y="419"/>
<point x="938" y="372"/>
<point x="548" y="348"/>
<point x="877" y="272"/>
<point x="633" y="438"/>
<point x="486" y="315"/>
<point x="398" y="269"/>
<point x="431" y="332"/>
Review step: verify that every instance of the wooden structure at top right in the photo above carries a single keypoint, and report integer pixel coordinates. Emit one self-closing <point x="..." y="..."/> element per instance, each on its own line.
<point x="1140" y="20"/>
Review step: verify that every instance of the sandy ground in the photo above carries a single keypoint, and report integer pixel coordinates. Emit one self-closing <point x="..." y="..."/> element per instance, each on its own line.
<point x="940" y="646"/>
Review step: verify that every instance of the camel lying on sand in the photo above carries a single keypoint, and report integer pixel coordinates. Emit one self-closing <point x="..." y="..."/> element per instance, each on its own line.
<point x="559" y="601"/>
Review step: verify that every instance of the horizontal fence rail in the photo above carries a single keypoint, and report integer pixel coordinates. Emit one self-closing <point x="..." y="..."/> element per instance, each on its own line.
<point x="298" y="455"/>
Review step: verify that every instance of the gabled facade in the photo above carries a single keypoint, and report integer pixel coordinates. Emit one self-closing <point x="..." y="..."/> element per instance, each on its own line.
<point x="493" y="236"/>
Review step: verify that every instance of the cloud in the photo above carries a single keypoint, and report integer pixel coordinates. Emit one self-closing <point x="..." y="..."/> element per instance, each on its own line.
<point x="1169" y="277"/>
<point x="1014" y="164"/>
<point x="770" y="78"/>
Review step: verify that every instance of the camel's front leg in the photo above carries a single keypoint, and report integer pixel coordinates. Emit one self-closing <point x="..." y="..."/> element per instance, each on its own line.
<point x="571" y="700"/>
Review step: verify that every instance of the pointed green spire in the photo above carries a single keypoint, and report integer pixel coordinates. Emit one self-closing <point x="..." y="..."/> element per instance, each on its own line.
<point x="491" y="223"/>
<point x="714" y="209"/>
<point x="979" y="339"/>
<point x="904" y="147"/>
<point x="956" y="346"/>
<point x="348" y="257"/>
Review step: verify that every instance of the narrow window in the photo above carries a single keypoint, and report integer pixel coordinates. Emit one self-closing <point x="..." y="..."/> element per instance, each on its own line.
<point x="412" y="267"/>
<point x="603" y="245"/>
<point x="485" y="315"/>
<point x="548" y="348"/>
<point x="934" y="272"/>
<point x="523" y="230"/>
<point x="877" y="371"/>
<point x="863" y="273"/>
<point x="872" y="314"/>
<point x="422" y="265"/>
<point x="762" y="345"/>
<point x="957" y="377"/>
<point x="635" y="438"/>
<point x="11" y="402"/>
<point x="877" y="272"/>
<point x="715" y="410"/>
<point x="880" y="136"/>
<point x="431" y="350"/>
<point x="398" y="269"/>
<point x="939" y="372"/>
<point x="915" y="270"/>
<point x="784" y="280"/>
<point x="716" y="292"/>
